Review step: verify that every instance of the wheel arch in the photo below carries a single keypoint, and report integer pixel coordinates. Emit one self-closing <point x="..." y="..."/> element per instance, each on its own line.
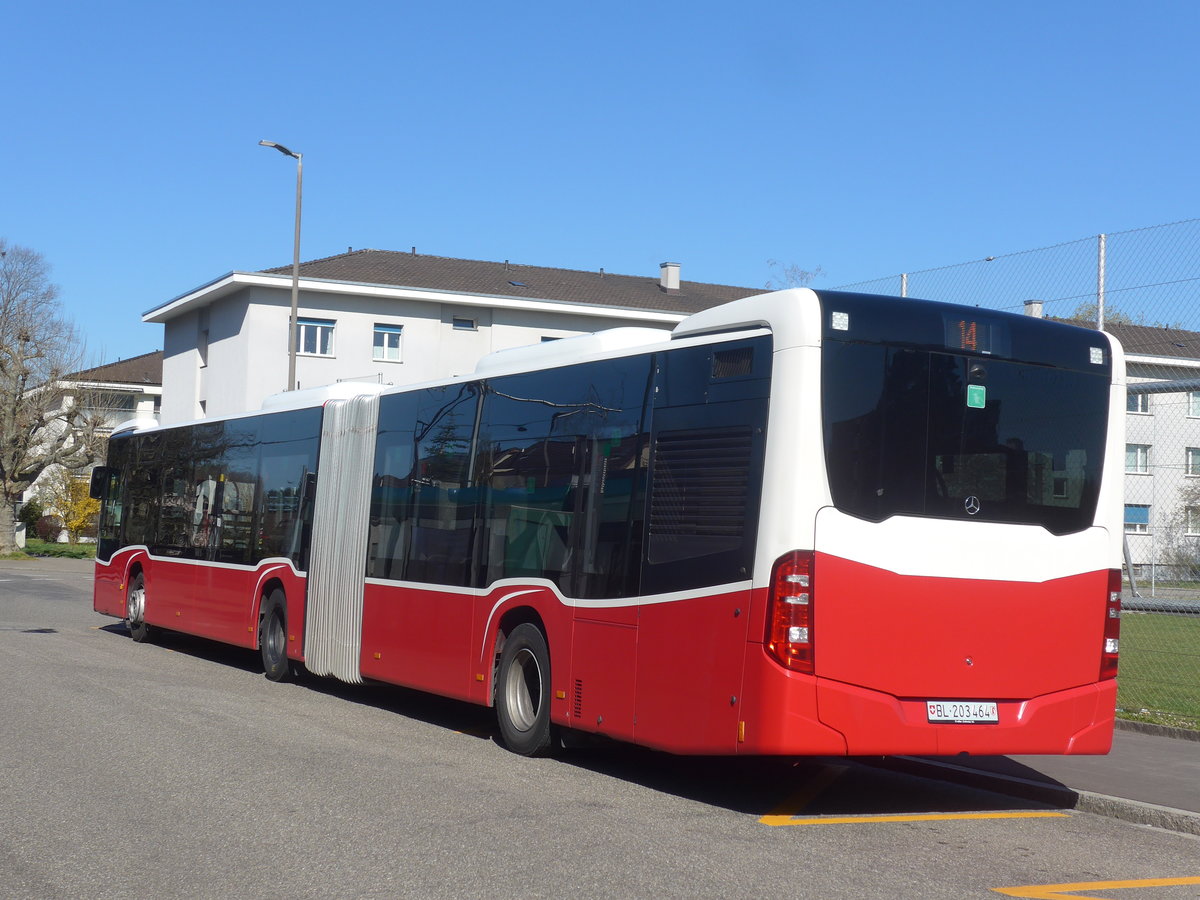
<point x="138" y="562"/>
<point x="510" y="619"/>
<point x="267" y="586"/>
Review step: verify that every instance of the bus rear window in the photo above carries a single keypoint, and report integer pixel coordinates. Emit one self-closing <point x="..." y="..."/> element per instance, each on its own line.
<point x="914" y="431"/>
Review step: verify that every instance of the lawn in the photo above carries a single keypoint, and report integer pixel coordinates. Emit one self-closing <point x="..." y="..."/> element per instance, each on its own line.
<point x="1160" y="669"/>
<point x="34" y="547"/>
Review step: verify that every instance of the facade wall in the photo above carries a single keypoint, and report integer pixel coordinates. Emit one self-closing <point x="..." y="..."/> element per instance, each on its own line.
<point x="231" y="355"/>
<point x="180" y="369"/>
<point x="1159" y="487"/>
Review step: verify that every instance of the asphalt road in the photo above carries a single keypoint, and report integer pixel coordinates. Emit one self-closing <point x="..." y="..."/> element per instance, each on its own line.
<point x="177" y="770"/>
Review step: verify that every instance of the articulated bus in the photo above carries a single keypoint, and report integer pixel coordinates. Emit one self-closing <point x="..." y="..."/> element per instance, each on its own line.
<point x="806" y="522"/>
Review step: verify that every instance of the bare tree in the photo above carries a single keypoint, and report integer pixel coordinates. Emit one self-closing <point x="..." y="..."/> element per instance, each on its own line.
<point x="789" y="275"/>
<point x="43" y="421"/>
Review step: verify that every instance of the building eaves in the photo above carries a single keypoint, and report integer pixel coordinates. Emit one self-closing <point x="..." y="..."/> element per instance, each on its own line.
<point x="1150" y="340"/>
<point x="140" y="370"/>
<point x="507" y="279"/>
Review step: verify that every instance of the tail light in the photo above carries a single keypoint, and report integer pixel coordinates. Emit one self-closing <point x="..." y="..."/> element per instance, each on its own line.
<point x="789" y="635"/>
<point x="1112" y="626"/>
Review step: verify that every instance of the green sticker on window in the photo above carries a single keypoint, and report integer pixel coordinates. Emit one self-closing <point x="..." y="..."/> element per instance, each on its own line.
<point x="976" y="396"/>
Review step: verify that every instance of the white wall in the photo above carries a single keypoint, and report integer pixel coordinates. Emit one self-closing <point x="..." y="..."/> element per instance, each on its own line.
<point x="1168" y="430"/>
<point x="248" y="344"/>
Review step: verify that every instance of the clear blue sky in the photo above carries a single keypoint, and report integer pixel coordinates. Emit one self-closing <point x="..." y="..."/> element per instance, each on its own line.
<point x="866" y="138"/>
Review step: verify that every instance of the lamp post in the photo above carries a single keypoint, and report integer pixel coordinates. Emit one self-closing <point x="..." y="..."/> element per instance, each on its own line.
<point x="299" y="157"/>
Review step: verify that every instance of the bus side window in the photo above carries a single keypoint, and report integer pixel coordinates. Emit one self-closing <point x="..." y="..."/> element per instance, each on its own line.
<point x="706" y="468"/>
<point x="442" y="510"/>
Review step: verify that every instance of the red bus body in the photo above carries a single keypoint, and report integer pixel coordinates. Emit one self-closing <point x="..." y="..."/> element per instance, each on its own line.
<point x="901" y="613"/>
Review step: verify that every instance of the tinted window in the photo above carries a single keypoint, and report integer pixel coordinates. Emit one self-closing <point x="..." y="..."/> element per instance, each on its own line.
<point x="108" y="535"/>
<point x="392" y="487"/>
<point x="424" y="501"/>
<point x="288" y="455"/>
<point x="228" y="491"/>
<point x="912" y="431"/>
<point x="561" y="459"/>
<point x="550" y="486"/>
<point x="143" y="473"/>
<point x="710" y="418"/>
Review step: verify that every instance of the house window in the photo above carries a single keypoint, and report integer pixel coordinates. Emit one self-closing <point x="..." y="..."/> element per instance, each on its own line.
<point x="315" y="337"/>
<point x="1137" y="403"/>
<point x="1193" y="520"/>
<point x="1191" y="461"/>
<point x="1060" y="488"/>
<point x="386" y="346"/>
<point x="1137" y="518"/>
<point x="1194" y="404"/>
<point x="1137" y="458"/>
<point x="463" y="323"/>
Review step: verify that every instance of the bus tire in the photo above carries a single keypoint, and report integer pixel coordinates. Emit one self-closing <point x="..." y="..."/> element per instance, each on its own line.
<point x="135" y="610"/>
<point x="272" y="637"/>
<point x="523" y="692"/>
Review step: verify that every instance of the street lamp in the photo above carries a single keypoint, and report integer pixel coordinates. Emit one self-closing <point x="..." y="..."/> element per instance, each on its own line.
<point x="299" y="157"/>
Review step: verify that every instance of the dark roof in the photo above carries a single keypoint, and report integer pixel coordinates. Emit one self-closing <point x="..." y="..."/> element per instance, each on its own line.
<point x="1150" y="340"/>
<point x="391" y="267"/>
<point x="144" y="369"/>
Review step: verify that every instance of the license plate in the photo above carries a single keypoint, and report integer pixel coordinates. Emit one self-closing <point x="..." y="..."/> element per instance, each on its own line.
<point x="963" y="712"/>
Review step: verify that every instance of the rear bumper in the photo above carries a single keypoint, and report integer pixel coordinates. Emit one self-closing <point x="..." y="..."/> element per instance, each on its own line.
<point x="791" y="714"/>
<point x="1075" y="721"/>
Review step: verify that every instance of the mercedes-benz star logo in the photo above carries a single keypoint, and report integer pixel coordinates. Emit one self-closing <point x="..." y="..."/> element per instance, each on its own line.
<point x="971" y="505"/>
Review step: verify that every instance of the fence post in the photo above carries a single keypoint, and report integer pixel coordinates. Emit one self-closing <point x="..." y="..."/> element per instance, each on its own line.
<point x="1101" y="242"/>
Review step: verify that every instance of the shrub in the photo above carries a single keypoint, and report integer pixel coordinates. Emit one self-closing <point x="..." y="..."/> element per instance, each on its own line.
<point x="48" y="528"/>
<point x="30" y="513"/>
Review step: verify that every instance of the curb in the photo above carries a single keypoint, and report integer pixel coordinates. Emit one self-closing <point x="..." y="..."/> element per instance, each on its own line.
<point x="1182" y="734"/>
<point x="1139" y="813"/>
<point x="1050" y="793"/>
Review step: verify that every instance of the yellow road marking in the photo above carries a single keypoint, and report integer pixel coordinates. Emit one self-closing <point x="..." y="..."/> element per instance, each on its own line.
<point x="474" y="732"/>
<point x="919" y="817"/>
<point x="784" y="812"/>
<point x="1061" y="891"/>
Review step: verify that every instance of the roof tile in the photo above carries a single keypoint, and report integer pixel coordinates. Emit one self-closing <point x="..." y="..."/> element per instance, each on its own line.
<point x="505" y="279"/>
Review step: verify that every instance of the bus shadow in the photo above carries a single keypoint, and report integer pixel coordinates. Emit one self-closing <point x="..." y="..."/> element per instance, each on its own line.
<point x="441" y="712"/>
<point x="804" y="787"/>
<point x="754" y="786"/>
<point x="198" y="648"/>
<point x="453" y="715"/>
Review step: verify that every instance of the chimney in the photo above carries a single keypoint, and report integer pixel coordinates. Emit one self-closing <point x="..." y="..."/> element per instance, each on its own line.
<point x="668" y="278"/>
<point x="1033" y="308"/>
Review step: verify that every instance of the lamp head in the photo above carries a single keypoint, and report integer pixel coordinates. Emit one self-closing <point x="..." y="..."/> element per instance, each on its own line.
<point x="282" y="149"/>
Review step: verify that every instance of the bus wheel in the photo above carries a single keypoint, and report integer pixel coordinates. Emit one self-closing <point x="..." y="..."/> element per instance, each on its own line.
<point x="523" y="692"/>
<point x="135" y="610"/>
<point x="272" y="637"/>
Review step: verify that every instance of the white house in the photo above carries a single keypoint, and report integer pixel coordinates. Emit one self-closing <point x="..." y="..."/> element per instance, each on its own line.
<point x="121" y="390"/>
<point x="107" y="395"/>
<point x="1162" y="449"/>
<point x="401" y="318"/>
<point x="393" y="318"/>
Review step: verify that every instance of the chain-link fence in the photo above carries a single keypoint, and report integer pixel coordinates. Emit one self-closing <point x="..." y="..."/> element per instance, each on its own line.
<point x="1143" y="286"/>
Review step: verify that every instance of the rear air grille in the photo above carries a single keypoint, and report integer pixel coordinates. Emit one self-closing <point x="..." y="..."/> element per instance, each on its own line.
<point x="700" y="483"/>
<point x="732" y="363"/>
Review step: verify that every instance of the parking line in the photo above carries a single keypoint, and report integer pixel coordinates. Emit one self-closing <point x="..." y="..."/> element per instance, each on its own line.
<point x="917" y="817"/>
<point x="783" y="814"/>
<point x="1060" y="891"/>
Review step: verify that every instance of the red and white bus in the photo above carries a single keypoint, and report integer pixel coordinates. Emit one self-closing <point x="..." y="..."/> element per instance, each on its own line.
<point x="806" y="522"/>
